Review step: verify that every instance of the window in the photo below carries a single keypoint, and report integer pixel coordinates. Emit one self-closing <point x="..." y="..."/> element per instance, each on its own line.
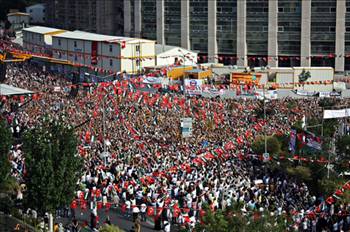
<point x="75" y="57"/>
<point x="111" y="48"/>
<point x="111" y="62"/>
<point x="333" y="9"/>
<point x="332" y="29"/>
<point x="31" y="11"/>
<point x="59" y="55"/>
<point x="59" y="42"/>
<point x="75" y="44"/>
<point x="137" y="48"/>
<point x="280" y="9"/>
<point x="265" y="29"/>
<point x="347" y="29"/>
<point x="348" y="9"/>
<point x="43" y="10"/>
<point x="280" y="29"/>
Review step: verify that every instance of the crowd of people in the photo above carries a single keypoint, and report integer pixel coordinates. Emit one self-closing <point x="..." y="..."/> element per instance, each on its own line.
<point x="152" y="171"/>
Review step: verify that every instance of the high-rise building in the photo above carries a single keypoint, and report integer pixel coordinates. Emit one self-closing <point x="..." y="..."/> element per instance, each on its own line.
<point x="243" y="32"/>
<point x="100" y="16"/>
<point x="253" y="32"/>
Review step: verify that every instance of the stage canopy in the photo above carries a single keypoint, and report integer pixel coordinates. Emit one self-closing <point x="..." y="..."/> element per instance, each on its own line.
<point x="8" y="90"/>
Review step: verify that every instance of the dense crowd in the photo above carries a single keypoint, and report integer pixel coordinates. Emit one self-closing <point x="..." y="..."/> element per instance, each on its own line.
<point x="151" y="167"/>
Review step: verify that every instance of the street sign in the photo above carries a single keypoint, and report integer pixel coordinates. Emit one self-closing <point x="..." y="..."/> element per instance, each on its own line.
<point x="186" y="127"/>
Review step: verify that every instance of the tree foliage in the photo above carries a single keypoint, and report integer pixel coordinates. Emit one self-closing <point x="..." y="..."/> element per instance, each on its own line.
<point x="234" y="221"/>
<point x="273" y="145"/>
<point x="52" y="166"/>
<point x="5" y="145"/>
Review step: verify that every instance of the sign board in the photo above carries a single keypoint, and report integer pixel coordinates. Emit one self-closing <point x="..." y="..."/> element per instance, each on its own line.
<point x="186" y="127"/>
<point x="266" y="157"/>
<point x="193" y="86"/>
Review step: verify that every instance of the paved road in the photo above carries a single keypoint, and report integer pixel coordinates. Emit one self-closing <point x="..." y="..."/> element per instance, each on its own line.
<point x="115" y="216"/>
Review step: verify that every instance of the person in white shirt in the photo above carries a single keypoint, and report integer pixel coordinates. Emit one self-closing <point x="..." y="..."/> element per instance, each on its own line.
<point x="167" y="226"/>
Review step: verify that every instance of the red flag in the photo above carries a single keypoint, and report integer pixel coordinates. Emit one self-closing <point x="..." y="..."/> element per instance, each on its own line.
<point x="240" y="140"/>
<point x="330" y="200"/>
<point x="150" y="211"/>
<point x="99" y="205"/>
<point x="229" y="146"/>
<point x="124" y="208"/>
<point x="73" y="205"/>
<point x="177" y="211"/>
<point x="209" y="156"/>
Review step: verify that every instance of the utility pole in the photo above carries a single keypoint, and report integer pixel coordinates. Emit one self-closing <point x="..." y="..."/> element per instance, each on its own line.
<point x="265" y="138"/>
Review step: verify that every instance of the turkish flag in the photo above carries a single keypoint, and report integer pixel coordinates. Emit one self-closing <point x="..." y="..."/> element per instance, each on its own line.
<point x="150" y="211"/>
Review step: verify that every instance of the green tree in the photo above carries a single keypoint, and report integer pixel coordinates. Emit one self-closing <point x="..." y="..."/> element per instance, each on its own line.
<point x="53" y="166"/>
<point x="213" y="222"/>
<point x="232" y="220"/>
<point x="300" y="172"/>
<point x="273" y="145"/>
<point x="5" y="145"/>
<point x="343" y="146"/>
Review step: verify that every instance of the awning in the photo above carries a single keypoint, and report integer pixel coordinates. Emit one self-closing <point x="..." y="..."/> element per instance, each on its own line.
<point x="8" y="90"/>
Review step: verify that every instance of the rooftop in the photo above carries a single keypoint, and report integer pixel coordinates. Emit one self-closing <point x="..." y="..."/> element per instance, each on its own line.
<point x="164" y="48"/>
<point x="18" y="14"/>
<point x="41" y="30"/>
<point x="7" y="90"/>
<point x="82" y="35"/>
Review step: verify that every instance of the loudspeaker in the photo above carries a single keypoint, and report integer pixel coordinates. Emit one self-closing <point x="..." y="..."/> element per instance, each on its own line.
<point x="2" y="71"/>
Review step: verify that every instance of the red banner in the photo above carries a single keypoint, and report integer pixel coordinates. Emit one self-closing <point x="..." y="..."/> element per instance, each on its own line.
<point x="94" y="52"/>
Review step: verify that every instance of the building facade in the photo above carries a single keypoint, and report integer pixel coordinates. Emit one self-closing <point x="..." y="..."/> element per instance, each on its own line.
<point x="37" y="13"/>
<point x="97" y="16"/>
<point x="252" y="32"/>
<point x="278" y="33"/>
<point x="110" y="53"/>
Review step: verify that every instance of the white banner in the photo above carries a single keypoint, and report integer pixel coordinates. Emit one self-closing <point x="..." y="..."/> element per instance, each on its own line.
<point x="305" y="93"/>
<point x="336" y="113"/>
<point x="193" y="86"/>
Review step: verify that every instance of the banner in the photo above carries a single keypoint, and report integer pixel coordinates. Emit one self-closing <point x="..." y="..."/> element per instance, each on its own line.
<point x="336" y="113"/>
<point x="293" y="135"/>
<point x="305" y="93"/>
<point x="152" y="80"/>
<point x="313" y="141"/>
<point x="193" y="86"/>
<point x="94" y="52"/>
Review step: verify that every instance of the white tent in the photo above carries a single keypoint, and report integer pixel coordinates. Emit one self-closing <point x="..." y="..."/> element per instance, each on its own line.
<point x="167" y="55"/>
<point x="8" y="90"/>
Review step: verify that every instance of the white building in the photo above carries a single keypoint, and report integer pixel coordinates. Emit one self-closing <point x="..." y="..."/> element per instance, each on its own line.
<point x="37" y="13"/>
<point x="168" y="55"/>
<point x="39" y="39"/>
<point x="109" y="53"/>
<point x="18" y="20"/>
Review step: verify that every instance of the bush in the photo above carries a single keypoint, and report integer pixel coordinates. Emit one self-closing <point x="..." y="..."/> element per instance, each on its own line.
<point x="110" y="228"/>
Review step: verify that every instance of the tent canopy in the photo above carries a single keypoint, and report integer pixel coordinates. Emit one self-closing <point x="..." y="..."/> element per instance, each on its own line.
<point x="8" y="90"/>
